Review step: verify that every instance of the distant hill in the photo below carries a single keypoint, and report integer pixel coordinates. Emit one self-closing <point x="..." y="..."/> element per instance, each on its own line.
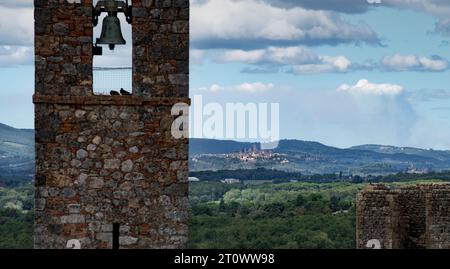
<point x="439" y="154"/>
<point x="307" y="157"/>
<point x="16" y="155"/>
<point x="211" y="146"/>
<point x="313" y="157"/>
<point x="15" y="140"/>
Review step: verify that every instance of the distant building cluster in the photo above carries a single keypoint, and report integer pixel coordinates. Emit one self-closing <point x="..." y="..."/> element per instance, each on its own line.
<point x="230" y="181"/>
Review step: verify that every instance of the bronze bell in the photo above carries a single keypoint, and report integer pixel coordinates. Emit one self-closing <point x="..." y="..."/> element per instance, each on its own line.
<point x="111" y="32"/>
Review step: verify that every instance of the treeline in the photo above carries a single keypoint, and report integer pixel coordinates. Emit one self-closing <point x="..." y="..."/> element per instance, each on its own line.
<point x="12" y="179"/>
<point x="277" y="176"/>
<point x="403" y="177"/>
<point x="262" y="174"/>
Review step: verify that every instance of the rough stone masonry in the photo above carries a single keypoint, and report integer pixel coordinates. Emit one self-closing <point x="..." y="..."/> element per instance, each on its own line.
<point x="411" y="217"/>
<point x="110" y="161"/>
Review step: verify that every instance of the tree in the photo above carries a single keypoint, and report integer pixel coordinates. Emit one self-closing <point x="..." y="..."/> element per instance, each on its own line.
<point x="334" y="204"/>
<point x="300" y="200"/>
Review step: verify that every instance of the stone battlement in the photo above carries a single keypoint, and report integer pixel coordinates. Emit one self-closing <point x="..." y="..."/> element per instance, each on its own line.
<point x="409" y="217"/>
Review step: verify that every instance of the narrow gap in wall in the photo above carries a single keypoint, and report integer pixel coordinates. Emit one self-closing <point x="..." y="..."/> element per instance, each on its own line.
<point x="116" y="235"/>
<point x="112" y="71"/>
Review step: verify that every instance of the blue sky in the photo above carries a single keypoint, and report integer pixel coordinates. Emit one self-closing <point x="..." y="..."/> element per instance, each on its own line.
<point x="344" y="74"/>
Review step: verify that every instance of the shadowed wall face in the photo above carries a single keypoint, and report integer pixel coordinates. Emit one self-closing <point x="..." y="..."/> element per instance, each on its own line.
<point x="377" y="218"/>
<point x="108" y="171"/>
<point x="413" y="217"/>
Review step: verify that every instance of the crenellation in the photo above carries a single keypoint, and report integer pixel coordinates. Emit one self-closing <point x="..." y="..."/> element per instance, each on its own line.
<point x="410" y="217"/>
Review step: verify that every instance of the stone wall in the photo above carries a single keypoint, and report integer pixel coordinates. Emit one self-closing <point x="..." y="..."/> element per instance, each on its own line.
<point x="412" y="217"/>
<point x="104" y="161"/>
<point x="161" y="47"/>
<point x="63" y="47"/>
<point x="438" y="217"/>
<point x="377" y="217"/>
<point x="100" y="165"/>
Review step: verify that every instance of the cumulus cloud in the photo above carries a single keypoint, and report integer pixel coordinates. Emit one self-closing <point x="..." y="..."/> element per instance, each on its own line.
<point x="437" y="8"/>
<point x="301" y="60"/>
<point x="253" y="87"/>
<point x="345" y="6"/>
<point x="326" y="64"/>
<point x="16" y="33"/>
<point x="363" y="86"/>
<point x="17" y="55"/>
<point x="399" y="62"/>
<point x="212" y="88"/>
<point x="373" y="113"/>
<point x="16" y="26"/>
<point x="252" y="23"/>
<point x="271" y="55"/>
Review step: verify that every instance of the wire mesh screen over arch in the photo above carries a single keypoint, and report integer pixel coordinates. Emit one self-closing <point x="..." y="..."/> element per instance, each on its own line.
<point x="107" y="79"/>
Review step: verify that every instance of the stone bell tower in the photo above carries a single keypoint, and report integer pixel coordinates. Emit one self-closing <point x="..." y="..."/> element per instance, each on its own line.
<point x="109" y="173"/>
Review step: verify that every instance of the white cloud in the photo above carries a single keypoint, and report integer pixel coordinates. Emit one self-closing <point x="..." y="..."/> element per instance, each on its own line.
<point x="304" y="61"/>
<point x="249" y="57"/>
<point x="16" y="26"/>
<point x="15" y="55"/>
<point x="301" y="59"/>
<point x="271" y="55"/>
<point x="244" y="87"/>
<point x="213" y="88"/>
<point x="254" y="87"/>
<point x="399" y="62"/>
<point x="228" y="23"/>
<point x="433" y="64"/>
<point x="363" y="86"/>
<point x="437" y="8"/>
<point x="326" y="64"/>
<point x="346" y="6"/>
<point x="16" y="33"/>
